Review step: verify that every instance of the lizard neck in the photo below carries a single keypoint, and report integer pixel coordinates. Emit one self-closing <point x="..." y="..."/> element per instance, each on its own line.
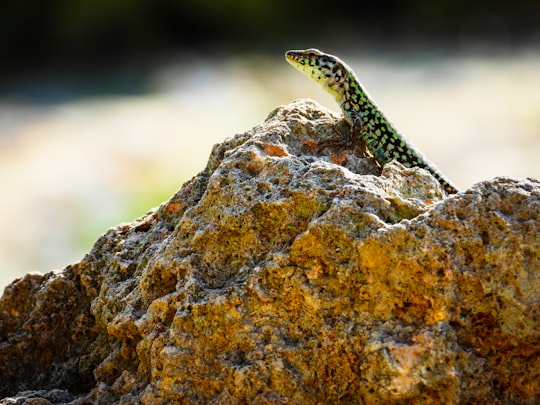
<point x="354" y="101"/>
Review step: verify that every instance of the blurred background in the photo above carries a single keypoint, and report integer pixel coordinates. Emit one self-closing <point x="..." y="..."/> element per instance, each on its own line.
<point x="107" y="107"/>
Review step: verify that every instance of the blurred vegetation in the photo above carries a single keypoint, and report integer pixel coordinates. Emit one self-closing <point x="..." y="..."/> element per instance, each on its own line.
<point x="65" y="34"/>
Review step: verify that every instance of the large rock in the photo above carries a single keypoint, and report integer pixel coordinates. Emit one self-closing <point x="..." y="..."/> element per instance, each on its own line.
<point x="290" y="273"/>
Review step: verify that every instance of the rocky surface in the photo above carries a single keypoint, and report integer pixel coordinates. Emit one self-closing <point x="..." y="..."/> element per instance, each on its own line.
<point x="290" y="273"/>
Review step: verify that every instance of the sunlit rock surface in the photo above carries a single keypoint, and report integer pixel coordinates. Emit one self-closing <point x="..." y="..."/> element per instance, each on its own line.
<point x="288" y="272"/>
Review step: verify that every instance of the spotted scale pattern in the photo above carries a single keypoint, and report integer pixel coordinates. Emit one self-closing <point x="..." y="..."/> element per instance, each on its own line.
<point x="367" y="121"/>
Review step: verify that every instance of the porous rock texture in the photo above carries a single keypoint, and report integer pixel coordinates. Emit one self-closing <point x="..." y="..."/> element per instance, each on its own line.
<point x="288" y="272"/>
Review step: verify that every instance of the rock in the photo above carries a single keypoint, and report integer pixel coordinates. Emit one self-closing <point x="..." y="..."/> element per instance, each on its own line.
<point x="290" y="273"/>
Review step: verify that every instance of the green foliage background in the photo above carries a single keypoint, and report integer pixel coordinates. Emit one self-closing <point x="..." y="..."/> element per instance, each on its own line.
<point x="37" y="35"/>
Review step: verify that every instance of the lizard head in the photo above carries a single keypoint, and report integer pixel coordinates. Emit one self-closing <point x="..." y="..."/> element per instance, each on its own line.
<point x="327" y="70"/>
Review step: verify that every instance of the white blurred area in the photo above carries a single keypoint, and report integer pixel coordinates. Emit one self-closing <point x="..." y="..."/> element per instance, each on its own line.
<point x="69" y="170"/>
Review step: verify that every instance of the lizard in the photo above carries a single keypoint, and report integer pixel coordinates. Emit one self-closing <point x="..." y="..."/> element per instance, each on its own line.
<point x="368" y="122"/>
